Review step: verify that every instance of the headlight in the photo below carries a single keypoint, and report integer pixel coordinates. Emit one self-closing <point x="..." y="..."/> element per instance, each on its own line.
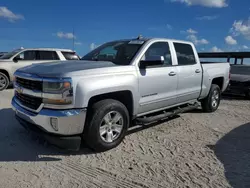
<point x="56" y="87"/>
<point x="57" y="92"/>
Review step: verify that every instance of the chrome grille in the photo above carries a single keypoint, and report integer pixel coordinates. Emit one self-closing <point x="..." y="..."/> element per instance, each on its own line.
<point x="29" y="84"/>
<point x="29" y="101"/>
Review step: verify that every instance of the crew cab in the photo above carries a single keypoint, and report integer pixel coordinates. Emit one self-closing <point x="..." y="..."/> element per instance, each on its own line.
<point x="114" y="86"/>
<point x="18" y="58"/>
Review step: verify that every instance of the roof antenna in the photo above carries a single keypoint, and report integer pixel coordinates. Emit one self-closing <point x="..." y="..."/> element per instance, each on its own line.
<point x="73" y="39"/>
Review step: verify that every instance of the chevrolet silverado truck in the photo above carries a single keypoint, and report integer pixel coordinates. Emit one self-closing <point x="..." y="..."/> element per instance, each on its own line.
<point x="120" y="83"/>
<point x="16" y="59"/>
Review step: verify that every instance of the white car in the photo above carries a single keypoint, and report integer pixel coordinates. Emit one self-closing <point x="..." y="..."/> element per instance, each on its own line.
<point x="19" y="58"/>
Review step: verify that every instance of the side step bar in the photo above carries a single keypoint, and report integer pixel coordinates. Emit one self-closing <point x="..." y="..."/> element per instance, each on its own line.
<point x="164" y="115"/>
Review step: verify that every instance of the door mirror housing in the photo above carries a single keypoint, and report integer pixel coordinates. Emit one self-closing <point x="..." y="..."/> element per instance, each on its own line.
<point x="151" y="61"/>
<point x="16" y="59"/>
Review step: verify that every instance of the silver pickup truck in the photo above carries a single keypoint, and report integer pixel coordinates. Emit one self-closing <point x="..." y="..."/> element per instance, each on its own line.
<point x="121" y="82"/>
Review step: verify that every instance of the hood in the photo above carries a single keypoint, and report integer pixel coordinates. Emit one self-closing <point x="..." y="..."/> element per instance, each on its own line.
<point x="60" y="68"/>
<point x="240" y="78"/>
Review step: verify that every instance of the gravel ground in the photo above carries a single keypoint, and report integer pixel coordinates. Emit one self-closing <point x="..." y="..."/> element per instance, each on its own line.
<point x="192" y="150"/>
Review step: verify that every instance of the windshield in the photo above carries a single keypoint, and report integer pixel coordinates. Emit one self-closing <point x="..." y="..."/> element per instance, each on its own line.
<point x="10" y="54"/>
<point x="244" y="70"/>
<point x="119" y="52"/>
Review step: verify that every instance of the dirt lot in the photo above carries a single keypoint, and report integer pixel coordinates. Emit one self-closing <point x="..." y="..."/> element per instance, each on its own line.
<point x="193" y="150"/>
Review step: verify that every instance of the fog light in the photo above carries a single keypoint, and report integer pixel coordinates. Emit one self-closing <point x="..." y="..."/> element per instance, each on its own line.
<point x="54" y="123"/>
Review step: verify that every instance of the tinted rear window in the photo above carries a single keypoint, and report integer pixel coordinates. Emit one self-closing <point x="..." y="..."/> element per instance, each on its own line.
<point x="185" y="54"/>
<point x="70" y="55"/>
<point x="47" y="55"/>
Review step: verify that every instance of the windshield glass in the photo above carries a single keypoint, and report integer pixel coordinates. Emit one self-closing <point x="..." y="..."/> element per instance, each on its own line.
<point x="244" y="70"/>
<point x="10" y="54"/>
<point x="119" y="52"/>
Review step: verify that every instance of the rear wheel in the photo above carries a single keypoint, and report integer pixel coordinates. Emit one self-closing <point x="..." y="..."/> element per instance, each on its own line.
<point x="4" y="81"/>
<point x="107" y="125"/>
<point x="212" y="101"/>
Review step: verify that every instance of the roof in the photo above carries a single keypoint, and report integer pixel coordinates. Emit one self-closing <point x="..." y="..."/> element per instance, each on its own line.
<point x="224" y="55"/>
<point x="144" y="39"/>
<point x="55" y="49"/>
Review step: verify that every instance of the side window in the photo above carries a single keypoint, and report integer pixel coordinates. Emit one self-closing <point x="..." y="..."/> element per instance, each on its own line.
<point x="70" y="55"/>
<point x="47" y="55"/>
<point x="27" y="55"/>
<point x="159" y="49"/>
<point x="185" y="54"/>
<point x="108" y="53"/>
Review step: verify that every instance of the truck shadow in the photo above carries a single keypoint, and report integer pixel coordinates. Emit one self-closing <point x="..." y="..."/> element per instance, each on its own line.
<point x="16" y="144"/>
<point x="233" y="151"/>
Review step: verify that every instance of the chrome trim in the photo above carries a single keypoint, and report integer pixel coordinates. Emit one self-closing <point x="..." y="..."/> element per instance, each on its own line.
<point x="70" y="121"/>
<point x="36" y="93"/>
<point x="20" y="104"/>
<point x="64" y="95"/>
<point x="25" y="91"/>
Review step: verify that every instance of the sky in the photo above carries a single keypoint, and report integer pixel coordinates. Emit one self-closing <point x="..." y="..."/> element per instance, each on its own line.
<point x="212" y="25"/>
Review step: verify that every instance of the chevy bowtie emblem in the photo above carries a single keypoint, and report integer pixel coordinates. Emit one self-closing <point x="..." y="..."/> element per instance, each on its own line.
<point x="19" y="90"/>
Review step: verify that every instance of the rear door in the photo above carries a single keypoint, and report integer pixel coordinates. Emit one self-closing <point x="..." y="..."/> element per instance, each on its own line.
<point x="189" y="72"/>
<point x="46" y="56"/>
<point x="157" y="84"/>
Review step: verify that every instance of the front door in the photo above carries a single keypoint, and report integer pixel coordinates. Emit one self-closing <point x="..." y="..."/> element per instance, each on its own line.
<point x="24" y="59"/>
<point x="157" y="84"/>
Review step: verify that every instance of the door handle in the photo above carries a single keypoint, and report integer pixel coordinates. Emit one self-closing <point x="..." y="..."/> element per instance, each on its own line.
<point x="197" y="71"/>
<point x="172" y="73"/>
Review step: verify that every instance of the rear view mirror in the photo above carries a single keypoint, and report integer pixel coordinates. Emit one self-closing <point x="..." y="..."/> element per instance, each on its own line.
<point x="151" y="61"/>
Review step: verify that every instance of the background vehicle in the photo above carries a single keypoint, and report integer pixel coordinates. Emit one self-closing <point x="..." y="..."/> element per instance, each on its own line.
<point x="240" y="80"/>
<point x="96" y="99"/>
<point x="2" y="53"/>
<point x="16" y="59"/>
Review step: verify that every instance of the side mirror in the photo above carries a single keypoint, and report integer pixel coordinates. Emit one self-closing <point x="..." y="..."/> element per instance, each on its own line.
<point x="151" y="61"/>
<point x="16" y="59"/>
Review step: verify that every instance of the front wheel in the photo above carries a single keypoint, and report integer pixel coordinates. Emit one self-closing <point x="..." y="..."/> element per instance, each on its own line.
<point x="107" y="125"/>
<point x="212" y="101"/>
<point x="4" y="81"/>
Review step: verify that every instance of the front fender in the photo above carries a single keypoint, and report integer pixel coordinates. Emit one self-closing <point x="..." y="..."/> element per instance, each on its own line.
<point x="4" y="67"/>
<point x="89" y="87"/>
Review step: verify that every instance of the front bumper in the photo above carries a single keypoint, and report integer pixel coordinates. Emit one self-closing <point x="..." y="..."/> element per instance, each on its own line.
<point x="70" y="124"/>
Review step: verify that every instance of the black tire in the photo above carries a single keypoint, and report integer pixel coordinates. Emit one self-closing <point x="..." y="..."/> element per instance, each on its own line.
<point x="99" y="110"/>
<point x="5" y="80"/>
<point x="207" y="103"/>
